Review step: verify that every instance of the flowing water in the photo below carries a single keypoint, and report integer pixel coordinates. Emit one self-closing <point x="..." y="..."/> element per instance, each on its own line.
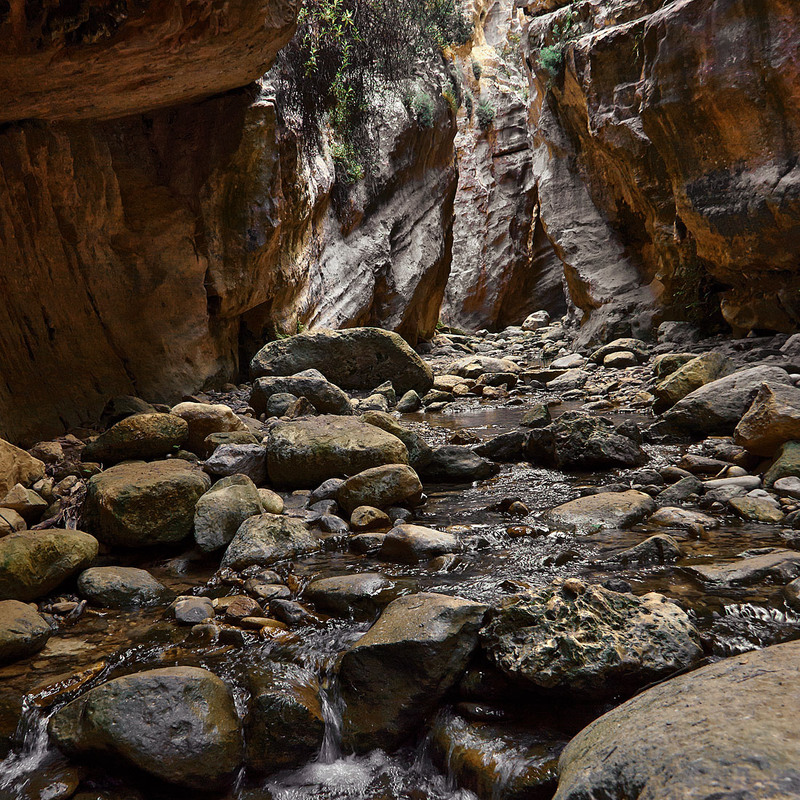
<point x="495" y="561"/>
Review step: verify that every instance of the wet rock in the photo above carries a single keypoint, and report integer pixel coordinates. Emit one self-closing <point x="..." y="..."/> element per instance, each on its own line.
<point x="368" y="518"/>
<point x="23" y="631"/>
<point x="327" y="490"/>
<point x="505" y="447"/>
<point x="536" y="417"/>
<point x="10" y="521"/>
<point x="192" y="610"/>
<point x="791" y="593"/>
<point x="672" y="517"/>
<point x="238" y="459"/>
<point x="306" y="452"/>
<point x="267" y="538"/>
<point x="292" y="613"/>
<point x="121" y="587"/>
<point x="772" y="420"/>
<point x="380" y="487"/>
<point x="680" y="491"/>
<point x="743" y="481"/>
<point x="223" y="508"/>
<point x="204" y="419"/>
<point x="737" y="716"/>
<point x="360" y="596"/>
<point x="419" y="452"/>
<point x="136" y="504"/>
<point x="756" y="509"/>
<point x="658" y="549"/>
<point x="455" y="464"/>
<point x="474" y="366"/>
<point x="367" y="542"/>
<point x="16" y="466"/>
<point x="603" y="510"/>
<point x="635" y="346"/>
<point x="497" y="762"/>
<point x="409" y="544"/>
<point x="588" y="639"/>
<point x="754" y="566"/>
<point x="357" y="358"/>
<point x="27" y="503"/>
<point x="702" y="465"/>
<point x="409" y="402"/>
<point x="143" y="436"/>
<point x="285" y="727"/>
<point x="786" y="464"/>
<point x="692" y="375"/>
<point x="238" y="607"/>
<point x="34" y="563"/>
<point x="136" y="717"/>
<point x="215" y="440"/>
<point x="788" y="487"/>
<point x="311" y="384"/>
<point x="396" y="674"/>
<point x="718" y="406"/>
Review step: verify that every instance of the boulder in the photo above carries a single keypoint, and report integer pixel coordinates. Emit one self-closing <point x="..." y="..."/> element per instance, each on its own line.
<point x="658" y="549"/>
<point x="285" y="726"/>
<point x="622" y="359"/>
<point x="136" y="504"/>
<point x="380" y="487"/>
<point x="268" y="538"/>
<point x="10" y="521"/>
<point x="178" y="724"/>
<point x="394" y="676"/>
<point x="667" y="363"/>
<point x="603" y="510"/>
<point x="791" y="593"/>
<point x="635" y="346"/>
<point x="326" y="397"/>
<point x="17" y="466"/>
<point x="204" y="419"/>
<point x="143" y="436"/>
<point x="672" y="517"/>
<point x="571" y="379"/>
<point x="785" y="464"/>
<point x="191" y="610"/>
<point x="27" y="503"/>
<point x="271" y="502"/>
<point x="536" y="320"/>
<point x="306" y="452"/>
<point x="755" y="566"/>
<point x="692" y="375"/>
<point x="360" y="596"/>
<point x="583" y="441"/>
<point x="419" y="451"/>
<point x="717" y="407"/>
<point x="368" y="518"/>
<point x="504" y="447"/>
<point x="122" y="406"/>
<point x="726" y="730"/>
<point x="357" y="358"/>
<point x="409" y="402"/>
<point x="409" y="544"/>
<point x="474" y="366"/>
<point x="121" y="587"/>
<point x="238" y="459"/>
<point x="23" y="631"/>
<point x="772" y="420"/>
<point x="33" y="563"/>
<point x="456" y="464"/>
<point x="536" y="417"/>
<point x="214" y="440"/>
<point x="785" y="487"/>
<point x="222" y="509"/>
<point x="680" y="490"/>
<point x="573" y="638"/>
<point x="756" y="509"/>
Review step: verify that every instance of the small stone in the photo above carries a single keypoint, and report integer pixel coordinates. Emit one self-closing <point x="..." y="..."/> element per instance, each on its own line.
<point x="367" y="518"/>
<point x="756" y="509"/>
<point x="409" y="402"/>
<point x="192" y="610"/>
<point x="620" y="360"/>
<point x="413" y="543"/>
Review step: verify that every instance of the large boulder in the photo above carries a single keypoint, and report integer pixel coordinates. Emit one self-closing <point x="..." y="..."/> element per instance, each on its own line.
<point x="358" y="358"/>
<point x="306" y="452"/>
<point x="33" y="563"/>
<point x="361" y="595"/>
<point x="604" y="510"/>
<point x="456" y="464"/>
<point x="573" y="638"/>
<point x="692" y="375"/>
<point x="394" y="676"/>
<point x="475" y="366"/>
<point x="238" y="459"/>
<point x="772" y="420"/>
<point x="326" y="397"/>
<point x="135" y="504"/>
<point x="17" y="466"/>
<point x="268" y="538"/>
<point x="285" y="724"/>
<point x="786" y="464"/>
<point x="204" y="419"/>
<point x="583" y="441"/>
<point x="222" y="509"/>
<point x="178" y="724"/>
<point x="143" y="436"/>
<point x="728" y="730"/>
<point x="23" y="631"/>
<point x="121" y="587"/>
<point x="380" y="487"/>
<point x="718" y="406"/>
<point x="409" y="544"/>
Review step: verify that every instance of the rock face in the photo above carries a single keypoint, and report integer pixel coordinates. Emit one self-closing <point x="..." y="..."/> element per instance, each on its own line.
<point x="394" y="676"/>
<point x="640" y="213"/>
<point x="361" y="358"/>
<point x="574" y="638"/>
<point x="33" y="563"/>
<point x="178" y="724"/>
<point x="736" y="717"/>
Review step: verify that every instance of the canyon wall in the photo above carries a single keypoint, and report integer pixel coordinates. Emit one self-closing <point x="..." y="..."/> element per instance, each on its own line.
<point x="665" y="137"/>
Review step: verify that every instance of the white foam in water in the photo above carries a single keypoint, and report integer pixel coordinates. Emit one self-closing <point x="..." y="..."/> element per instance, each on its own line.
<point x="34" y="750"/>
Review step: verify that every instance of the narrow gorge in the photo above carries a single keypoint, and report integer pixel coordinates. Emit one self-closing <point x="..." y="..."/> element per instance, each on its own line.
<point x="399" y="401"/>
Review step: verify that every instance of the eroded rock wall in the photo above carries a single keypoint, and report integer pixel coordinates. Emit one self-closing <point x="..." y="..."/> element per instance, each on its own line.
<point x="665" y="149"/>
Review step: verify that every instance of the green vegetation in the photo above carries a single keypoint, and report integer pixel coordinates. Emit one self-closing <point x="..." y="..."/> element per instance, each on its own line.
<point x="344" y="52"/>
<point x="551" y="59"/>
<point x="468" y="103"/>
<point x="485" y="113"/>
<point x="451" y="100"/>
<point x="477" y="69"/>
<point x="424" y="110"/>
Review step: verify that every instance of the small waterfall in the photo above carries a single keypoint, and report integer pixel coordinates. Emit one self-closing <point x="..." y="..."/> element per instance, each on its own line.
<point x="32" y="752"/>
<point x="332" y="709"/>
